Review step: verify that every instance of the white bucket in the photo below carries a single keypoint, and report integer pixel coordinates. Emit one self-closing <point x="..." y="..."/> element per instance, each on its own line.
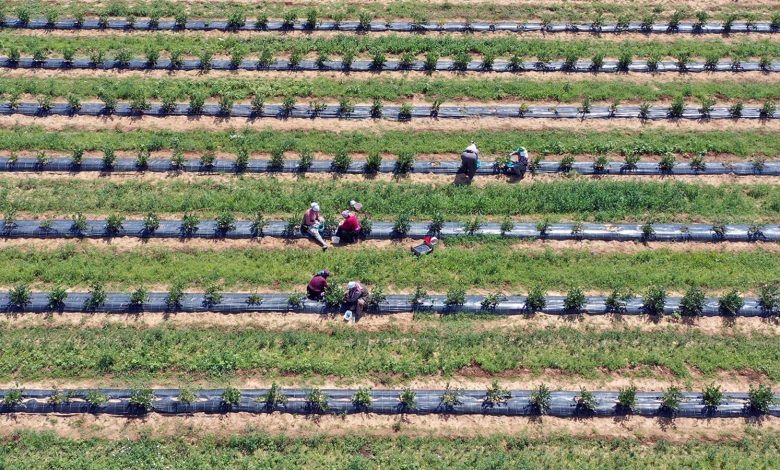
<point x="336" y="240"/>
<point x="348" y="316"/>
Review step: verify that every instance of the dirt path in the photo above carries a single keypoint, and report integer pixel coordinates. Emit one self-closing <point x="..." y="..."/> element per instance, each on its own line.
<point x="645" y="429"/>
<point x="182" y="124"/>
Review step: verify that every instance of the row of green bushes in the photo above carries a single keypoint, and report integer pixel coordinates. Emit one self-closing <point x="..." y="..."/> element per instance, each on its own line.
<point x="379" y="48"/>
<point x="548" y="142"/>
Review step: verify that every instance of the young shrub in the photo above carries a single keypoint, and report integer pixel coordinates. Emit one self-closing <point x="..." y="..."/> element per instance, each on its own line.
<point x="541" y="399"/>
<point x="654" y="301"/>
<point x="316" y="401"/>
<point x="226" y="222"/>
<point x="712" y="396"/>
<point x="345" y="106"/>
<point x="490" y="301"/>
<point x="419" y="297"/>
<point x="626" y="400"/>
<point x="471" y="226"/>
<point x="496" y="395"/>
<point x="376" y="297"/>
<point x="535" y="302"/>
<point x="151" y="223"/>
<point x="692" y="303"/>
<point x="648" y="232"/>
<point x="187" y="396"/>
<point x="259" y="222"/>
<point x="142" y="160"/>
<point x="295" y="300"/>
<point x="59" y="398"/>
<point x="275" y="397"/>
<point x="254" y="299"/>
<point x="95" y="398"/>
<point x="114" y="224"/>
<point x="231" y="397"/>
<point x="405" y="112"/>
<point x="401" y="226"/>
<point x="97" y="296"/>
<point x="56" y="298"/>
<point x="678" y="108"/>
<point x="342" y="161"/>
<point x="601" y="163"/>
<point x="236" y="19"/>
<point x="574" y="301"/>
<point x="768" y="109"/>
<point x="334" y="295"/>
<point x="74" y="104"/>
<point x="769" y="298"/>
<point x="139" y="297"/>
<point x="109" y="158"/>
<point x="361" y="400"/>
<point x="730" y="304"/>
<point x="407" y="399"/>
<point x="212" y="296"/>
<point x="189" y="223"/>
<point x="542" y="227"/>
<point x="735" y="111"/>
<point x="175" y="296"/>
<point x="373" y="163"/>
<point x="196" y="103"/>
<point x="451" y="397"/>
<point x="760" y="398"/>
<point x="670" y="400"/>
<point x="566" y="164"/>
<point x="617" y="300"/>
<point x="507" y="225"/>
<point x="586" y="402"/>
<point x="455" y="298"/>
<point x="142" y="399"/>
<point x="19" y="296"/>
<point x="80" y="224"/>
<point x="698" y="163"/>
<point x="404" y="163"/>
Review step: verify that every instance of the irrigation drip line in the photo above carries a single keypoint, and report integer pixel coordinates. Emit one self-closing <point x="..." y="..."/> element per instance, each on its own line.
<point x="145" y="24"/>
<point x="333" y="111"/>
<point x="66" y="164"/>
<point x="519" y="403"/>
<point x="120" y="303"/>
<point x="442" y="65"/>
<point x="242" y="229"/>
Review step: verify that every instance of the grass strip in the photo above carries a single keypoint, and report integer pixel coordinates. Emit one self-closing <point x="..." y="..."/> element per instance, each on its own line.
<point x="36" y="450"/>
<point x="390" y="10"/>
<point x="448" y="45"/>
<point x="603" y="201"/>
<point x="387" y="89"/>
<point x="491" y="264"/>
<point x="48" y="352"/>
<point x="396" y="142"/>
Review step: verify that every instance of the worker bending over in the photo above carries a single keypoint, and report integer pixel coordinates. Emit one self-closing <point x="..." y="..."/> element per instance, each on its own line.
<point x="349" y="229"/>
<point x="355" y="298"/>
<point x="519" y="168"/>
<point x="316" y="288"/>
<point x="469" y="161"/>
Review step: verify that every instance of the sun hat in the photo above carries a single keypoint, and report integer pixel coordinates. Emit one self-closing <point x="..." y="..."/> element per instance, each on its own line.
<point x="351" y="285"/>
<point x="324" y="273"/>
<point x="315" y="207"/>
<point x="345" y="214"/>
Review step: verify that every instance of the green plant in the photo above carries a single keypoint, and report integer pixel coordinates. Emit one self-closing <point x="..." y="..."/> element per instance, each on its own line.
<point x="231" y="396"/>
<point x="648" y="232"/>
<point x="334" y="295"/>
<point x="644" y="110"/>
<point x="760" y="398"/>
<point x="373" y="163"/>
<point x="139" y="297"/>
<point x="451" y="397"/>
<point x="56" y="298"/>
<point x="187" y="396"/>
<point x="404" y="163"/>
<point x="96" y="398"/>
<point x="418" y="297"/>
<point x="678" y="107"/>
<point x="692" y="303"/>
<point x="97" y="296"/>
<point x="175" y="296"/>
<point x="730" y="303"/>
<point x="59" y="398"/>
<point x="19" y="296"/>
<point x="345" y="106"/>
<point x="196" y="103"/>
<point x="698" y="163"/>
<point x="254" y="299"/>
<point x="142" y="399"/>
<point x="455" y="298"/>
<point x="295" y="300"/>
<point x="768" y="109"/>
<point x="471" y="226"/>
<point x="275" y="397"/>
<point x="626" y="400"/>
<point x="496" y="395"/>
<point x="712" y="396"/>
<point x="542" y="227"/>
<point x="317" y="401"/>
<point x="490" y="301"/>
<point x="376" y="297"/>
<point x="407" y="399"/>
<point x="566" y="163"/>
<point x="114" y="223"/>
<point x="226" y="222"/>
<point x="541" y="399"/>
<point x="535" y="302"/>
<point x="189" y="223"/>
<point x="769" y="298"/>
<point x="212" y="295"/>
<point x="362" y="398"/>
<point x="225" y="104"/>
<point x="670" y="400"/>
<point x="258" y="223"/>
<point x="617" y="300"/>
<point x="735" y="110"/>
<point x="586" y="402"/>
<point x="405" y="112"/>
<point x="574" y="301"/>
<point x="342" y="161"/>
<point x="601" y="163"/>
<point x="401" y="226"/>
<point x="654" y="301"/>
<point x="507" y="225"/>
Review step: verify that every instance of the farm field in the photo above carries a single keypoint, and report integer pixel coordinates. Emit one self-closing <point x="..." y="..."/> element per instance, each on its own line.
<point x="615" y="305"/>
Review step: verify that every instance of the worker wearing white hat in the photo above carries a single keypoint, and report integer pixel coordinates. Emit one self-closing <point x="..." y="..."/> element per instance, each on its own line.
<point x="314" y="224"/>
<point x="355" y="298"/>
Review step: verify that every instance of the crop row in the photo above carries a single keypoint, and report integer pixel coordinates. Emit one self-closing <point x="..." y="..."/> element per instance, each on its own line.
<point x="403" y="164"/>
<point x="498" y="265"/>
<point x="348" y="47"/>
<point x="584" y="200"/>
<point x="225" y="226"/>
<point x="42" y="450"/>
<point x="551" y="142"/>
<point x="496" y="401"/>
<point x="139" y="106"/>
<point x="388" y="89"/>
<point x="419" y="12"/>
<point x="655" y="302"/>
<point x="56" y="353"/>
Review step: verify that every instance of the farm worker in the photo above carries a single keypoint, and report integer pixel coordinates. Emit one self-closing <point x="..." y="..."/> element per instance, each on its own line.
<point x="521" y="166"/>
<point x="316" y="288"/>
<point x="355" y="297"/>
<point x="469" y="161"/>
<point x="313" y="224"/>
<point x="349" y="228"/>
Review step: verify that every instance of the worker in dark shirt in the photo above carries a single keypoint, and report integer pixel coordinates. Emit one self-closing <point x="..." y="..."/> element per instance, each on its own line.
<point x="316" y="288"/>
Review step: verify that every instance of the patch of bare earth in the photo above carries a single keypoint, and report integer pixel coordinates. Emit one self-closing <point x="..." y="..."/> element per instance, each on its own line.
<point x="199" y="425"/>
